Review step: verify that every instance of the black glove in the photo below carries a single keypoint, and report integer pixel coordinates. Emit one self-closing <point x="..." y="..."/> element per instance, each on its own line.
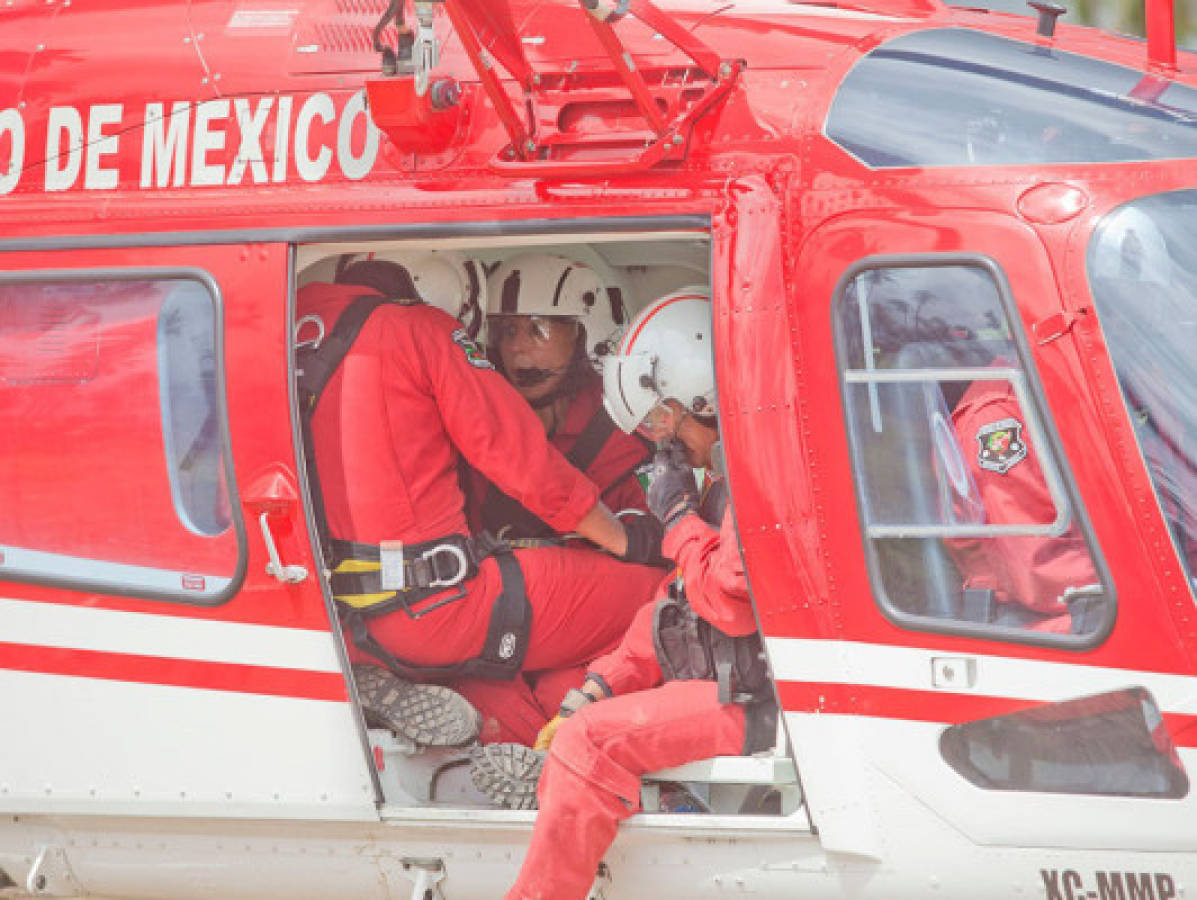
<point x="672" y="493"/>
<point x="644" y="541"/>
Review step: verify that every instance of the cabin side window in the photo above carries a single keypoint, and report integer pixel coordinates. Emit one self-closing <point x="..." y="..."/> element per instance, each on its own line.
<point x="968" y="519"/>
<point x="114" y="468"/>
<point x="1143" y="274"/>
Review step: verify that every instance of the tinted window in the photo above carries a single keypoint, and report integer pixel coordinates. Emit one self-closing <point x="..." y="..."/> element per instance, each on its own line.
<point x="1142" y="266"/>
<point x="951" y="97"/>
<point x="190" y="408"/>
<point x="1110" y="745"/>
<point x="966" y="514"/>
<point x="113" y="470"/>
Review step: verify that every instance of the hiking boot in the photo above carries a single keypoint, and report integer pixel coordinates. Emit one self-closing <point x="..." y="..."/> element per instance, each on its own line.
<point x="428" y="715"/>
<point x="507" y="773"/>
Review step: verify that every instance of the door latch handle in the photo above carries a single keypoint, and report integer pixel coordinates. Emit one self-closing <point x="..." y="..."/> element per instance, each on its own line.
<point x="285" y="574"/>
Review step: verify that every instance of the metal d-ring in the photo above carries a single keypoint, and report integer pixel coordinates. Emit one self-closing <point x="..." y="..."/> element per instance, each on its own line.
<point x="463" y="563"/>
<point x="315" y="342"/>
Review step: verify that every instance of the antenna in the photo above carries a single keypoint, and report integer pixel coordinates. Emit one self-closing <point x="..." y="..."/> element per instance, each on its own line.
<point x="1048" y="13"/>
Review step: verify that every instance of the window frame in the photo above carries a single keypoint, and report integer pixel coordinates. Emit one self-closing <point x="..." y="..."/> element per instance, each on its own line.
<point x="1035" y="408"/>
<point x="114" y="587"/>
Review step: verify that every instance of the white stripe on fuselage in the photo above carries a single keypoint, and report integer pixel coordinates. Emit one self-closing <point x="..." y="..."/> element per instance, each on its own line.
<point x="175" y="637"/>
<point x="910" y="668"/>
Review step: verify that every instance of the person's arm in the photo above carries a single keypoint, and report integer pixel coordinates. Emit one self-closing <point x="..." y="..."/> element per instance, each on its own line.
<point x="493" y="427"/>
<point x="600" y="527"/>
<point x="1031" y="570"/>
<point x="713" y="571"/>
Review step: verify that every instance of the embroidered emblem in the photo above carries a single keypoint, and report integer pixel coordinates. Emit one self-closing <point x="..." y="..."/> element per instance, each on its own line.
<point x="1001" y="446"/>
<point x="473" y="353"/>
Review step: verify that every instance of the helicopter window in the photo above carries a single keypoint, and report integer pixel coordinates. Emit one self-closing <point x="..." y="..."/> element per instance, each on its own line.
<point x="967" y="516"/>
<point x="951" y="97"/>
<point x="111" y="393"/>
<point x="1142" y="265"/>
<point x="1113" y="744"/>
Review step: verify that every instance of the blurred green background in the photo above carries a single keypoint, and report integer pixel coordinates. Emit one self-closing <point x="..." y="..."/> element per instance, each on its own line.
<point x="1125" y="16"/>
<point x="1120" y="15"/>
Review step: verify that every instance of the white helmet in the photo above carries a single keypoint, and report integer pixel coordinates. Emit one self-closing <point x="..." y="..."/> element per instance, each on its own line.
<point x="542" y="284"/>
<point x="666" y="353"/>
<point x="443" y="278"/>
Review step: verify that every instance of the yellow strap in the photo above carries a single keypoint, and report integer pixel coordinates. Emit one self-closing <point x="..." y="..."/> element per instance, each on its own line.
<point x="357" y="566"/>
<point x="362" y="601"/>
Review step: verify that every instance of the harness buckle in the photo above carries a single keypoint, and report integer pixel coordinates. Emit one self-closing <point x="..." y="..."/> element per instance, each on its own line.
<point x="463" y="565"/>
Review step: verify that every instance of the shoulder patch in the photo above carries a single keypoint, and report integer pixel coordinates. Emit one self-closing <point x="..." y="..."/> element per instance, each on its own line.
<point x="1001" y="446"/>
<point x="473" y="353"/>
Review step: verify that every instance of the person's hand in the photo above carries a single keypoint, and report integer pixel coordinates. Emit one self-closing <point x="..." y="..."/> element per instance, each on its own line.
<point x="644" y="540"/>
<point x="671" y="493"/>
<point x="590" y="691"/>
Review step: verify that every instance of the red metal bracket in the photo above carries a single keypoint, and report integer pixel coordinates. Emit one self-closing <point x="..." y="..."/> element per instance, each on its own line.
<point x="540" y="146"/>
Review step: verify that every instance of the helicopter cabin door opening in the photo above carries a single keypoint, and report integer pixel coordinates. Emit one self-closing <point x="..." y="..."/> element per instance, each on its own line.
<point x="636" y="267"/>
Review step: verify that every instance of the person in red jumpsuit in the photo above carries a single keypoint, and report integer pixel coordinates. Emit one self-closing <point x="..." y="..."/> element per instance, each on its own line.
<point x="1033" y="578"/>
<point x="547" y="319"/>
<point x="412" y="397"/>
<point x="634" y="714"/>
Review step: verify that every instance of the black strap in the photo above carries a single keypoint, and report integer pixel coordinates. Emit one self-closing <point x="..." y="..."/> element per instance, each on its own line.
<point x="591" y="441"/>
<point x="501" y="511"/>
<point x="502" y="654"/>
<point x="316" y="366"/>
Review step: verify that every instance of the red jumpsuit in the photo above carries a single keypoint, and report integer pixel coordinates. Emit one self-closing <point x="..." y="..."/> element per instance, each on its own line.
<point x="411" y="395"/>
<point x="591" y="777"/>
<point x="1031" y="571"/>
<point x="515" y="711"/>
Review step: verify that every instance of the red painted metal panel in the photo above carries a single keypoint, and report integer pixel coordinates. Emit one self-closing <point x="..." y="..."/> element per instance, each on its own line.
<point x="157" y="670"/>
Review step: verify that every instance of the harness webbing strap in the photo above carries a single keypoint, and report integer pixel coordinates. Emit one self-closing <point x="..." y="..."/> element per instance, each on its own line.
<point x="319" y="364"/>
<point x="506" y="637"/>
<point x="316" y="366"/>
<point x="591" y="441"/>
<point x="501" y="510"/>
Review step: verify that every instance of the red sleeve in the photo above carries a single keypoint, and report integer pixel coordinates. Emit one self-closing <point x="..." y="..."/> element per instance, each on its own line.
<point x="494" y="428"/>
<point x="713" y="571"/>
<point x="1031" y="570"/>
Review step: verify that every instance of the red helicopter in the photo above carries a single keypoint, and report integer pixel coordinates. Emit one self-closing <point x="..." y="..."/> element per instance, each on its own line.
<point x="982" y="633"/>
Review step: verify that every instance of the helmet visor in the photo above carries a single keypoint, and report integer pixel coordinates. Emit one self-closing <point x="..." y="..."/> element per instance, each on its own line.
<point x="660" y="425"/>
<point x="535" y="329"/>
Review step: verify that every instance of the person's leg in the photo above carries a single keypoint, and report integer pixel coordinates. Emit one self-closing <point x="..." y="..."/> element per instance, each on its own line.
<point x="582" y="602"/>
<point x="550" y="687"/>
<point x="510" y="710"/>
<point x="591" y="778"/>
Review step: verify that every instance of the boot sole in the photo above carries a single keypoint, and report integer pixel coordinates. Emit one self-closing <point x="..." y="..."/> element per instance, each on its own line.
<point x="428" y="715"/>
<point x="507" y="773"/>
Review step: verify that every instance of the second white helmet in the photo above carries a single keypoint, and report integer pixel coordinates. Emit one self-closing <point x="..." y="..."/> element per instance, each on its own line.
<point x="543" y="284"/>
<point x="666" y="353"/>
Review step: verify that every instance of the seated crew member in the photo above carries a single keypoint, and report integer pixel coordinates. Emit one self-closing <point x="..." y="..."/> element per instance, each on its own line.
<point x="548" y="321"/>
<point x="642" y="708"/>
<point x="389" y="414"/>
<point x="1036" y="580"/>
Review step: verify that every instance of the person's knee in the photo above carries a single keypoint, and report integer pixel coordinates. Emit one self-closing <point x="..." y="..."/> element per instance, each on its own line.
<point x="580" y="746"/>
